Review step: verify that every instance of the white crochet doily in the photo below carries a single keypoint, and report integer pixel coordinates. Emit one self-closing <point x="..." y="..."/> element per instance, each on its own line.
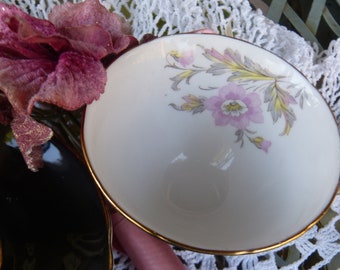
<point x="318" y="247"/>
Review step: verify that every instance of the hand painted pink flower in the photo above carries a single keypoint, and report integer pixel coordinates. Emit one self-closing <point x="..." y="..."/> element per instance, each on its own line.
<point x="184" y="58"/>
<point x="261" y="143"/>
<point x="234" y="106"/>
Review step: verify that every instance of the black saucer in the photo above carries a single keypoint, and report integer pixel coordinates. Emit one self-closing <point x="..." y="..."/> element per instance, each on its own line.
<point x="52" y="219"/>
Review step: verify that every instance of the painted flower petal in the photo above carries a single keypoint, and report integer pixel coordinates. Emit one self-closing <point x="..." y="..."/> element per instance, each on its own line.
<point x="77" y="80"/>
<point x="261" y="143"/>
<point x="213" y="103"/>
<point x="255" y="115"/>
<point x="240" y="122"/>
<point x="220" y="118"/>
<point x="235" y="106"/>
<point x="184" y="58"/>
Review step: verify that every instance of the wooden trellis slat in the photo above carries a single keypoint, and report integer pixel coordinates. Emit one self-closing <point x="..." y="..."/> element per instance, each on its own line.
<point x="318" y="16"/>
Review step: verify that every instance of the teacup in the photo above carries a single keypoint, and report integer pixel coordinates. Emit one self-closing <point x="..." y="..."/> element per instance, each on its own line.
<point x="213" y="144"/>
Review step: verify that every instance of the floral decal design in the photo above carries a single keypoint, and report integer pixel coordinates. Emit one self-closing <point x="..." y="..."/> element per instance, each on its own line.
<point x="239" y="102"/>
<point x="235" y="106"/>
<point x="185" y="58"/>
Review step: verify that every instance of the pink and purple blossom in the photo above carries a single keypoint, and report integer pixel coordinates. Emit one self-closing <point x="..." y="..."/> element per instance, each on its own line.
<point x="261" y="143"/>
<point x="234" y="106"/>
<point x="185" y="58"/>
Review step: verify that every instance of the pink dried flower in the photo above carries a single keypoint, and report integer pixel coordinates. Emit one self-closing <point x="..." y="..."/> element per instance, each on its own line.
<point x="57" y="61"/>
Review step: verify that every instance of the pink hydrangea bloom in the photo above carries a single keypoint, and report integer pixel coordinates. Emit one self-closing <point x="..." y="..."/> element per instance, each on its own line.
<point x="234" y="106"/>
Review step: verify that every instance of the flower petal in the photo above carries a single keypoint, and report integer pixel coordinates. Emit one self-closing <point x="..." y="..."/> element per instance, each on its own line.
<point x="92" y="40"/>
<point x="77" y="80"/>
<point x="22" y="35"/>
<point x="90" y="15"/>
<point x="21" y="79"/>
<point x="89" y="12"/>
<point x="213" y="103"/>
<point x="30" y="135"/>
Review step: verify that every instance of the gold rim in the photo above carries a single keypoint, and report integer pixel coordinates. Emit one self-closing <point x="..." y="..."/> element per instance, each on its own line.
<point x="196" y="249"/>
<point x="202" y="250"/>
<point x="188" y="247"/>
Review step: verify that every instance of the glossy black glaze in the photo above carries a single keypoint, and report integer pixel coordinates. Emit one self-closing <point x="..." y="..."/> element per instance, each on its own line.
<point x="52" y="219"/>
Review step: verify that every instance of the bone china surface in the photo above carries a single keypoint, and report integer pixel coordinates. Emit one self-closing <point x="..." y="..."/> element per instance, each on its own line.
<point x="212" y="143"/>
